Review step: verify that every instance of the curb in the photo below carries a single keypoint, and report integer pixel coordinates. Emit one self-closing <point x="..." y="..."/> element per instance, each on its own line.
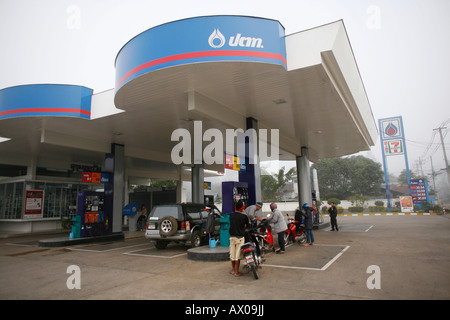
<point x="66" y="241"/>
<point x="388" y="214"/>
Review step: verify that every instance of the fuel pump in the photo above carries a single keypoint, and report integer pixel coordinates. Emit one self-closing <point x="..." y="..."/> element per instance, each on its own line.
<point x="95" y="219"/>
<point x="232" y="192"/>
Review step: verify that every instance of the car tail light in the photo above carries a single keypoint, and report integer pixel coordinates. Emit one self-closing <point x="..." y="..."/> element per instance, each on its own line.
<point x="185" y="226"/>
<point x="146" y="225"/>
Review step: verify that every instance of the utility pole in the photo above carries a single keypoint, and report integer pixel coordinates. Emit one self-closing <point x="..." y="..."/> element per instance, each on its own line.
<point x="447" y="169"/>
<point x="420" y="167"/>
<point x="433" y="175"/>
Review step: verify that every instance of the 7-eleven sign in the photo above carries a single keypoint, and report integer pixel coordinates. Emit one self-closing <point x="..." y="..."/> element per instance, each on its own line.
<point x="393" y="147"/>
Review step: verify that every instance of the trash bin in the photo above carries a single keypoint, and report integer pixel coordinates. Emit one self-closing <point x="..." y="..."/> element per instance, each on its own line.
<point x="225" y="230"/>
<point x="76" y="227"/>
<point x="130" y="211"/>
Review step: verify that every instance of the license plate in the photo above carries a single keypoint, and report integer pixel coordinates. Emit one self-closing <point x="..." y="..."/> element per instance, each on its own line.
<point x="249" y="259"/>
<point x="151" y="226"/>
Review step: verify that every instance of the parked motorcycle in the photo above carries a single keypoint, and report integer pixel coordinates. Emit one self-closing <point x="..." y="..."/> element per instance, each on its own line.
<point x="256" y="237"/>
<point x="293" y="233"/>
<point x="264" y="237"/>
<point x="250" y="257"/>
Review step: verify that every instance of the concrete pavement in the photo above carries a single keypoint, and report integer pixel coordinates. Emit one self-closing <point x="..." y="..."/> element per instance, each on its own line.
<point x="411" y="254"/>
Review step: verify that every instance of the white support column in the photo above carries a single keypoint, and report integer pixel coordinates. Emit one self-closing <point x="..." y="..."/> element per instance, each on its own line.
<point x="31" y="169"/>
<point x="304" y="178"/>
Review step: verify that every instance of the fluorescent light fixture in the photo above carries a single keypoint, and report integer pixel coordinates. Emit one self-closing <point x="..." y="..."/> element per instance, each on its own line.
<point x="280" y="101"/>
<point x="2" y="139"/>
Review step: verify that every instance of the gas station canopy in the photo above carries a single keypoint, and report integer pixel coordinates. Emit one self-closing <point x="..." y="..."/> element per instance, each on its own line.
<point x="220" y="70"/>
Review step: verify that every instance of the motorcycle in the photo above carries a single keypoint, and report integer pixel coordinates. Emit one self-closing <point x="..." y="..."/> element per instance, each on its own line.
<point x="251" y="259"/>
<point x="257" y="237"/>
<point x="264" y="237"/>
<point x="294" y="234"/>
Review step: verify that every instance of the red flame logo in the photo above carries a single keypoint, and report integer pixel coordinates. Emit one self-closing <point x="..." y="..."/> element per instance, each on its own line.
<point x="391" y="129"/>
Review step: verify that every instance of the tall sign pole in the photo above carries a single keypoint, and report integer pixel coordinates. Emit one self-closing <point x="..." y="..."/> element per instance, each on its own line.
<point x="392" y="143"/>
<point x="447" y="167"/>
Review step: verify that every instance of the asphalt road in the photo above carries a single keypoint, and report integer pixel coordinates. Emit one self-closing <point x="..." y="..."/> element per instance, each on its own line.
<point x="371" y="257"/>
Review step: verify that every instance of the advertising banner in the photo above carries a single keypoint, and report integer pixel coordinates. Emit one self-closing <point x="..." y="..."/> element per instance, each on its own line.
<point x="406" y="204"/>
<point x="233" y="162"/>
<point x="96" y="177"/>
<point x="45" y="100"/>
<point x="201" y="39"/>
<point x="34" y="203"/>
<point x="393" y="147"/>
<point x="391" y="128"/>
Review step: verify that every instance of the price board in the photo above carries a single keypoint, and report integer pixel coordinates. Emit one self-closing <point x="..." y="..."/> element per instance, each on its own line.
<point x="419" y="191"/>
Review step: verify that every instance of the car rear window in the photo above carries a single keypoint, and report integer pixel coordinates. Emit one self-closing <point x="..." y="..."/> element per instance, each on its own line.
<point x="193" y="211"/>
<point x="165" y="211"/>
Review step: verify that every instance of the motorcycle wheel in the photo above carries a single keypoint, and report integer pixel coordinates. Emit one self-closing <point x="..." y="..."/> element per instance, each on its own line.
<point x="254" y="266"/>
<point x="255" y="273"/>
<point x="262" y="246"/>
<point x="301" y="239"/>
<point x="286" y="238"/>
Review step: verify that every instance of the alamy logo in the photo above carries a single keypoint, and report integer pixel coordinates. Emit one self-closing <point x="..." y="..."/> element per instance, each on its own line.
<point x="190" y="149"/>
<point x="217" y="40"/>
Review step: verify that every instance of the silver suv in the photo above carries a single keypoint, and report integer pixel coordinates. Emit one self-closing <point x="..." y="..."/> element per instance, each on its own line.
<point x="184" y="222"/>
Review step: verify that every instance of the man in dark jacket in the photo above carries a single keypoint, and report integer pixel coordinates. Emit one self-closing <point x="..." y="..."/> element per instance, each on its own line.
<point x="298" y="217"/>
<point x="333" y="217"/>
<point x="308" y="215"/>
<point x="209" y="228"/>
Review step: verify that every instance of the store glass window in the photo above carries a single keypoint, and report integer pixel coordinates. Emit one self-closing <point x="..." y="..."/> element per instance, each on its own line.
<point x="11" y="195"/>
<point x="60" y="199"/>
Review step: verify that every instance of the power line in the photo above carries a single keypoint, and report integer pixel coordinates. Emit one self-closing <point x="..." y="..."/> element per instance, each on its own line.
<point x="431" y="143"/>
<point x="445" y="153"/>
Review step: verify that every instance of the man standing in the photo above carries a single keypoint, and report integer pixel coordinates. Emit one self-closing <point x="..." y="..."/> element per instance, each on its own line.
<point x="209" y="228"/>
<point x="333" y="217"/>
<point x="276" y="220"/>
<point x="238" y="223"/>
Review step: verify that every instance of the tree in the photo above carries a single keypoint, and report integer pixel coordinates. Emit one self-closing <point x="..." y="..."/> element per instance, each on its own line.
<point x="344" y="177"/>
<point x="268" y="188"/>
<point x="334" y="178"/>
<point x="403" y="180"/>
<point x="367" y="176"/>
<point x="283" y="177"/>
<point x="272" y="185"/>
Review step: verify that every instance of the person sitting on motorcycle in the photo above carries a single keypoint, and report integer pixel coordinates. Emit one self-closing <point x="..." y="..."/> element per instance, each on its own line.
<point x="298" y="218"/>
<point x="250" y="211"/>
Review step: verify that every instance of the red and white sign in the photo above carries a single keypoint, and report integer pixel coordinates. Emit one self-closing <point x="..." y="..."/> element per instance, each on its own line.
<point x="34" y="202"/>
<point x="393" y="147"/>
<point x="406" y="203"/>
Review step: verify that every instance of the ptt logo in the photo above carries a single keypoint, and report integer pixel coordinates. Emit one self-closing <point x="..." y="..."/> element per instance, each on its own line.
<point x="217" y="40"/>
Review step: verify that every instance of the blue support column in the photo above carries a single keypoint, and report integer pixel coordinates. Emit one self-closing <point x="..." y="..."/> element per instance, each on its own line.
<point x="114" y="190"/>
<point x="198" y="179"/>
<point x="252" y="175"/>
